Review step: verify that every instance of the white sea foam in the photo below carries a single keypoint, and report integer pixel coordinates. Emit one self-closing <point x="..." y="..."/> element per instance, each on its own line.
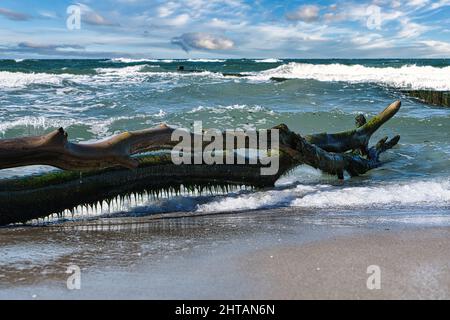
<point x="257" y="200"/>
<point x="13" y="80"/>
<point x="161" y="114"/>
<point x="410" y="76"/>
<point x="415" y="77"/>
<point x="21" y="79"/>
<point x="98" y="127"/>
<point x="270" y="60"/>
<point x="35" y="123"/>
<point x="205" y="60"/>
<point x="137" y="72"/>
<point x="223" y="109"/>
<point x="125" y="71"/>
<point x="435" y="193"/>
<point x="322" y="196"/>
<point x="129" y="60"/>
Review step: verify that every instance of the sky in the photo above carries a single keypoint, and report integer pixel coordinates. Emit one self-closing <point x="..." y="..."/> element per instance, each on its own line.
<point x="224" y="29"/>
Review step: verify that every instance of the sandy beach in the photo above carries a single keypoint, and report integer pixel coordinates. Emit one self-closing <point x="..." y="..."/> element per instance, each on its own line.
<point x="272" y="254"/>
<point x="414" y="265"/>
<point x="224" y="150"/>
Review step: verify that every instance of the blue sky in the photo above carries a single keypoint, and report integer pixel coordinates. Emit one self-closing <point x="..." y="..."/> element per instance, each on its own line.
<point x="226" y="29"/>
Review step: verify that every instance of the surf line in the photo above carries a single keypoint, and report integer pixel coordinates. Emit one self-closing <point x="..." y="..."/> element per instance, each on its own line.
<point x="191" y="148"/>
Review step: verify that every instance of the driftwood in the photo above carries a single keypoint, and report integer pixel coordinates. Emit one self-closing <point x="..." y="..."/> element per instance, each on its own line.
<point x="120" y="166"/>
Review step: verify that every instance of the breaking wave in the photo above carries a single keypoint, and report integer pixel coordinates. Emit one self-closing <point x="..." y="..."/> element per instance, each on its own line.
<point x="125" y="71"/>
<point x="323" y="196"/>
<point x="20" y="79"/>
<point x="428" y="193"/>
<point x="405" y="77"/>
<point x="137" y="73"/>
<point x="14" y="80"/>
<point x="270" y="60"/>
<point x="129" y="60"/>
<point x="408" y="76"/>
<point x="205" y="60"/>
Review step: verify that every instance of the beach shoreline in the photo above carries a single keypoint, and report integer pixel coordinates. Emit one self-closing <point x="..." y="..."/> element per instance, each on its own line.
<point x="268" y="254"/>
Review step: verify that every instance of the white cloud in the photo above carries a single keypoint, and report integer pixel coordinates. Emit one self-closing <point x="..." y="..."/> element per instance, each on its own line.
<point x="307" y="13"/>
<point x="411" y="29"/>
<point x="439" y="47"/>
<point x="178" y="21"/>
<point x="365" y="39"/>
<point x="417" y="3"/>
<point x="48" y="14"/>
<point x="335" y="17"/>
<point x="14" y="15"/>
<point x="396" y="4"/>
<point x="203" y="41"/>
<point x="89" y="16"/>
<point x="300" y="33"/>
<point x="379" y="44"/>
<point x="362" y="12"/>
<point x="227" y="24"/>
<point x="439" y="4"/>
<point x="167" y="9"/>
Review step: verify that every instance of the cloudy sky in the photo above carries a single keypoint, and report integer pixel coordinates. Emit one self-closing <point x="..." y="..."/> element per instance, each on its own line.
<point x="228" y="28"/>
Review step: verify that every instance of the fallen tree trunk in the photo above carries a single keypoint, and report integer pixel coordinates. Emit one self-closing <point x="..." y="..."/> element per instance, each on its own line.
<point x="54" y="149"/>
<point x="117" y="166"/>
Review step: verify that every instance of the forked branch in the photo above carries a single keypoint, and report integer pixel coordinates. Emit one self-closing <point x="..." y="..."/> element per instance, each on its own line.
<point x="324" y="151"/>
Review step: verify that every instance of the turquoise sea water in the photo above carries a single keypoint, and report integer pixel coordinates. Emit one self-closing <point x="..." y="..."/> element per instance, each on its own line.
<point x="94" y="99"/>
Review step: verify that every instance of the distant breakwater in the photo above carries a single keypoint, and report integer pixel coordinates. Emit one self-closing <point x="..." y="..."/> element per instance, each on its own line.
<point x="438" y="98"/>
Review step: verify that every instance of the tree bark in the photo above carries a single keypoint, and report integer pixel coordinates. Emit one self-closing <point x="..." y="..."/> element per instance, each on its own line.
<point x="357" y="139"/>
<point x="322" y="151"/>
<point x="54" y="149"/>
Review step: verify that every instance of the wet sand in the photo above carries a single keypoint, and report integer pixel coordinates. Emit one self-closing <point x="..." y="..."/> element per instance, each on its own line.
<point x="272" y="254"/>
<point x="414" y="264"/>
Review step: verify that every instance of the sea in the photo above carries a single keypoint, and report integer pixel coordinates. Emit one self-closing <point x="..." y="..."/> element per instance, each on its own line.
<point x="95" y="99"/>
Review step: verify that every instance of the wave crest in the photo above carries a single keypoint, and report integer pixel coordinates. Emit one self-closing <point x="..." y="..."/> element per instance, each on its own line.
<point x="321" y="196"/>
<point x="205" y="60"/>
<point x="435" y="193"/>
<point x="408" y="76"/>
<point x="20" y="79"/>
<point x="270" y="60"/>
